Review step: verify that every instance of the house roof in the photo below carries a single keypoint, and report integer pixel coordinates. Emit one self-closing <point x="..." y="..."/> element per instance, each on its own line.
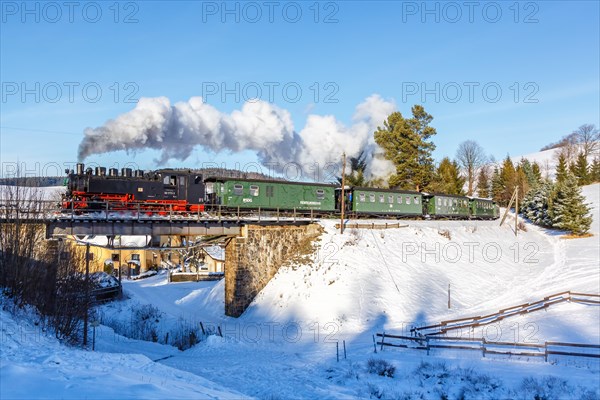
<point x="215" y="252"/>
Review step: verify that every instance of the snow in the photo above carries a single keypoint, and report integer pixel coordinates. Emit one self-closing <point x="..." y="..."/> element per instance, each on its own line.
<point x="215" y="252"/>
<point x="358" y="283"/>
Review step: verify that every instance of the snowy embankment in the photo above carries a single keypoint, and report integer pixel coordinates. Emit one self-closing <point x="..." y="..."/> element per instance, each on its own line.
<point x="359" y="283"/>
<point x="35" y="365"/>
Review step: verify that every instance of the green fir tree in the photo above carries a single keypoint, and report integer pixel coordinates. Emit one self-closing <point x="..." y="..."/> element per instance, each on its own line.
<point x="569" y="210"/>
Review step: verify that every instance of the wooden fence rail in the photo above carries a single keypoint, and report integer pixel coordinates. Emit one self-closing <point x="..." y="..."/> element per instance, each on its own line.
<point x="521" y="309"/>
<point x="372" y="226"/>
<point x="428" y="343"/>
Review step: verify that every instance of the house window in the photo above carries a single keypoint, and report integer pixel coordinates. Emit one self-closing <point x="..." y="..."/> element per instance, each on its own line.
<point x="254" y="190"/>
<point x="238" y="190"/>
<point x="320" y="194"/>
<point x="362" y="197"/>
<point x="115" y="258"/>
<point x="135" y="257"/>
<point x="372" y="198"/>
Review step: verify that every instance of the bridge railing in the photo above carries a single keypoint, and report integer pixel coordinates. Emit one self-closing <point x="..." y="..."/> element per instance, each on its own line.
<point x="117" y="210"/>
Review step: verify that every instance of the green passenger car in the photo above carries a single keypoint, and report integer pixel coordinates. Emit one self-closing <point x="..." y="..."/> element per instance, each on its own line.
<point x="483" y="208"/>
<point x="268" y="194"/>
<point x="384" y="201"/>
<point x="448" y="206"/>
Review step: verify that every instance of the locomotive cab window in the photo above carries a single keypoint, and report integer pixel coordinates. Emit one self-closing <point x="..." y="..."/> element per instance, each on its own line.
<point x="197" y="179"/>
<point x="169" y="180"/>
<point x="253" y="190"/>
<point x="320" y="194"/>
<point x="238" y="190"/>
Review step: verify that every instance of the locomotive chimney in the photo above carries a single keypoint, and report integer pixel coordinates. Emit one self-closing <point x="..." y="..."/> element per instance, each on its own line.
<point x="80" y="167"/>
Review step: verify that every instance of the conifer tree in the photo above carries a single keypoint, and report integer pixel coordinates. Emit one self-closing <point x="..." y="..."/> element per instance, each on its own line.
<point x="508" y="179"/>
<point x="447" y="178"/>
<point x="580" y="169"/>
<point x="406" y="142"/>
<point x="537" y="203"/>
<point x="569" y="210"/>
<point x="561" y="169"/>
<point x="595" y="170"/>
<point x="483" y="183"/>
<point x="537" y="173"/>
<point x="497" y="186"/>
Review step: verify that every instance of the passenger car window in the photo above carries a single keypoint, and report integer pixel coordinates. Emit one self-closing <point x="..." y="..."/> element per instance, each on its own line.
<point x="320" y="194"/>
<point x="372" y="198"/>
<point x="238" y="189"/>
<point x="381" y="198"/>
<point x="254" y="190"/>
<point x="362" y="197"/>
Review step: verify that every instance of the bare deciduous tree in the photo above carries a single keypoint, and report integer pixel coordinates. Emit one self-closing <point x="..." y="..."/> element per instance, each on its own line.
<point x="588" y="137"/>
<point x="471" y="157"/>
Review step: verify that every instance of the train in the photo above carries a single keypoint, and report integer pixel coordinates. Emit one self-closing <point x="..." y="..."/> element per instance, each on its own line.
<point x="188" y="191"/>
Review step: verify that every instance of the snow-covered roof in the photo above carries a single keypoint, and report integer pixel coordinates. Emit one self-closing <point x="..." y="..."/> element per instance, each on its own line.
<point x="215" y="252"/>
<point x="118" y="241"/>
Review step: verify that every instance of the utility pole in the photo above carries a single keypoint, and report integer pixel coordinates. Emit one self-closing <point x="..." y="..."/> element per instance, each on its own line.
<point x="449" y="304"/>
<point x="513" y="199"/>
<point x="516" y="209"/>
<point x="343" y="198"/>
<point x="87" y="294"/>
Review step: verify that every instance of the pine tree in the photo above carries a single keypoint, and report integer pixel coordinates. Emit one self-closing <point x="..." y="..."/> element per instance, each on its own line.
<point x="580" y="170"/>
<point x="508" y="179"/>
<point x="483" y="183"/>
<point x="497" y="186"/>
<point x="536" y="204"/>
<point x="569" y="211"/>
<point x="406" y="142"/>
<point x="561" y="169"/>
<point x="527" y="167"/>
<point x="447" y="178"/>
<point x="595" y="170"/>
<point x="537" y="173"/>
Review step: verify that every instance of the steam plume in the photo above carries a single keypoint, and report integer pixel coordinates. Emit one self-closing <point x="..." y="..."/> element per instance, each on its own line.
<point x="268" y="130"/>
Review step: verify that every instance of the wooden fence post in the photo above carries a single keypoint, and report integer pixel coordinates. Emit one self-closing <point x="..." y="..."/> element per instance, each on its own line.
<point x="382" y="340"/>
<point x="374" y="345"/>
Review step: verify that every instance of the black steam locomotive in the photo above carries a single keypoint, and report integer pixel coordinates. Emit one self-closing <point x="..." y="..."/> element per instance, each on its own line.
<point x="161" y="190"/>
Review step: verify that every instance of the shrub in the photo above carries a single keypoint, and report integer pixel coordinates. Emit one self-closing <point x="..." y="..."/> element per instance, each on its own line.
<point x="380" y="367"/>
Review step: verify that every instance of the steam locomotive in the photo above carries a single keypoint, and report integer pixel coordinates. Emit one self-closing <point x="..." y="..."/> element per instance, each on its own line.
<point x="161" y="190"/>
<point x="189" y="191"/>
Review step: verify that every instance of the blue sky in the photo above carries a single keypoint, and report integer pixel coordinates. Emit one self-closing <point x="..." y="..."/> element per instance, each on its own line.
<point x="543" y="56"/>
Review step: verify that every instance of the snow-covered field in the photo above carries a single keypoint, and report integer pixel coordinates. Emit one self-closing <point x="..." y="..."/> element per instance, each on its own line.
<point x="359" y="283"/>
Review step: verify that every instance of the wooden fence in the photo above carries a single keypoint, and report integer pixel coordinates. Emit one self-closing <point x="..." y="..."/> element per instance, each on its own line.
<point x="521" y="309"/>
<point x="544" y="350"/>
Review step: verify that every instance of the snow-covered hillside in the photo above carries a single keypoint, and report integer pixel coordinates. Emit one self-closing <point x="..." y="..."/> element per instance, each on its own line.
<point x="359" y="283"/>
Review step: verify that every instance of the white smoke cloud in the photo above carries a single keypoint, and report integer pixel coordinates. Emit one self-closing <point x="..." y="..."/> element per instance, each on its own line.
<point x="176" y="130"/>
